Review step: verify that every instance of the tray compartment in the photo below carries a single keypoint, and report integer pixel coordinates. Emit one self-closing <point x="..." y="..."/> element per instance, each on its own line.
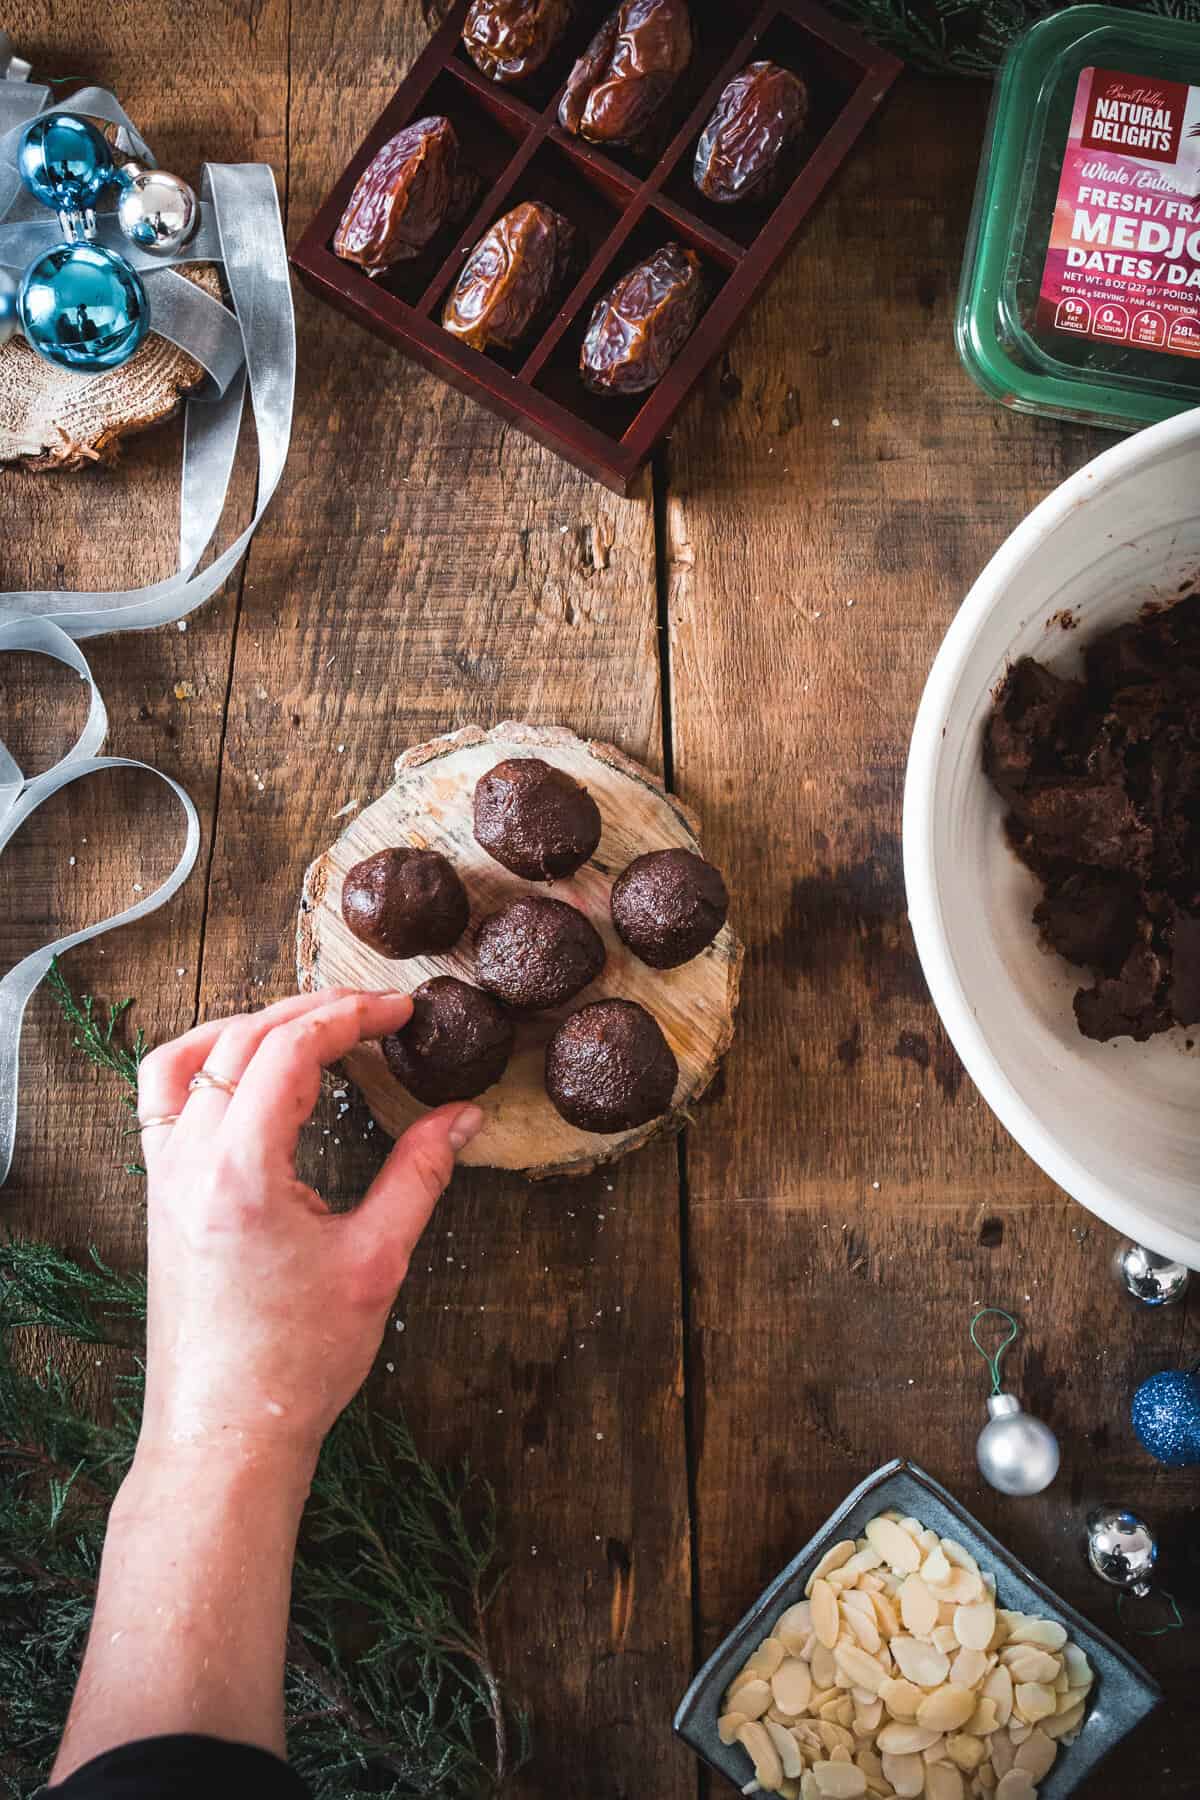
<point x="571" y="188"/>
<point x="558" y="376"/>
<point x="831" y="79"/>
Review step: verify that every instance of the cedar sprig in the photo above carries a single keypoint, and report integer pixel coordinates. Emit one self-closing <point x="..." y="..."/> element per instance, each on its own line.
<point x="968" y="37"/>
<point x="102" y="1036"/>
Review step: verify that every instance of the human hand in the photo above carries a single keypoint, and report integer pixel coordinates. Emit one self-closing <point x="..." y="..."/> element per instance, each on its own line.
<point x="266" y="1310"/>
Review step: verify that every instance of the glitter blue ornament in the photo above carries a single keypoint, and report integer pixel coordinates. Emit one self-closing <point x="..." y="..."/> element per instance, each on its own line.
<point x="1166" y="1417"/>
<point x="65" y="162"/>
<point x="83" y="307"/>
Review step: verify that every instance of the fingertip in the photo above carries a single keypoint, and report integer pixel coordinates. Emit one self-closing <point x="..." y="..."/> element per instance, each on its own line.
<point x="464" y="1125"/>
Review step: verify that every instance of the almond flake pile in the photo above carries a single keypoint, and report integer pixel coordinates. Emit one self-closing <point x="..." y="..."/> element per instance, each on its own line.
<point x="899" y="1675"/>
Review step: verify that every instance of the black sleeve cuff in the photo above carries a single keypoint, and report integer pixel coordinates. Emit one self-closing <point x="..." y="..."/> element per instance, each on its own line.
<point x="182" y="1768"/>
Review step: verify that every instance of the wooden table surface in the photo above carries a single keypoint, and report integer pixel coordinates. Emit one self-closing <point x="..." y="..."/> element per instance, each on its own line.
<point x="673" y="1371"/>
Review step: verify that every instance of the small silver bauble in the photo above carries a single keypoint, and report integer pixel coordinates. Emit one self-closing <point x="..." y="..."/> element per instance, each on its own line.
<point x="157" y="212"/>
<point x="1154" y="1280"/>
<point x="1121" y="1548"/>
<point x="8" y="306"/>
<point x="1016" y="1453"/>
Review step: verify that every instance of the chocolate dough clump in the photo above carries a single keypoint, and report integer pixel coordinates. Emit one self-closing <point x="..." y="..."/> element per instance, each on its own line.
<point x="536" y="952"/>
<point x="668" y="906"/>
<point x="457" y="1042"/>
<point x="1102" y="779"/>
<point x="535" y="819"/>
<point x="609" y="1067"/>
<point x="405" y="902"/>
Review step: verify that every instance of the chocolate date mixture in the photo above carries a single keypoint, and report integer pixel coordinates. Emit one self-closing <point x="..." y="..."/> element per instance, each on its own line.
<point x="609" y="1067"/>
<point x="668" y="906"/>
<point x="537" y="952"/>
<point x="535" y="819"/>
<point x="456" y="1044"/>
<point x="511" y="277"/>
<point x="1102" y="779"/>
<point x="405" y="902"/>
<point x="760" y="114"/>
<point x="509" y="40"/>
<point x="639" y="327"/>
<point x="627" y="71"/>
<point x="402" y="198"/>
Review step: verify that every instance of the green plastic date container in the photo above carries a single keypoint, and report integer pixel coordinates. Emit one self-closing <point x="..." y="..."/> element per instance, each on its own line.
<point x="1080" y="295"/>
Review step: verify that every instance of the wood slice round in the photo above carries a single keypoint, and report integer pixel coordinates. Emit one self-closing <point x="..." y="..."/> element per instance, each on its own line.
<point x="431" y="806"/>
<point x="52" y="418"/>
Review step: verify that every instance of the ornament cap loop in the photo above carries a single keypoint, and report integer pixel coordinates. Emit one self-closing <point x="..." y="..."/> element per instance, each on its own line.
<point x="1003" y="1406"/>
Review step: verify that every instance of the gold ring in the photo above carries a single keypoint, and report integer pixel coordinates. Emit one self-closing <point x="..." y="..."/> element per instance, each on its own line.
<point x="159" y="1119"/>
<point x="206" y="1079"/>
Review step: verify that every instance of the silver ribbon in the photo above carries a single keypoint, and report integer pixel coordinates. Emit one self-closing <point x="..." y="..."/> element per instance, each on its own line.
<point x="253" y="348"/>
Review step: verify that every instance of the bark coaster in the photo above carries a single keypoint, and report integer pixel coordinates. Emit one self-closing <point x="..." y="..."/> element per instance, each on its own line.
<point x="52" y="418"/>
<point x="430" y="806"/>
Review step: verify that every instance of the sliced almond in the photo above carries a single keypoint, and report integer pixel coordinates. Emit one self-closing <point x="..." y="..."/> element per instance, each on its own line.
<point x="728" y="1726"/>
<point x="959" y="1556"/>
<point x="943" y="1782"/>
<point x="920" y="1662"/>
<point x="936" y="1568"/>
<point x="786" y="1749"/>
<point x="865" y="1558"/>
<point x="808" y="1786"/>
<point x="1036" y="1755"/>
<point x="945" y="1639"/>
<point x="1003" y="1753"/>
<point x="863" y="1626"/>
<point x="1079" y="1669"/>
<point x="794" y="1626"/>
<point x="1032" y="1700"/>
<point x="1063" y="1724"/>
<point x="897" y="1548"/>
<point x="885" y="1612"/>
<point x="947" y="1709"/>
<point x="901" y="1698"/>
<point x="899" y="1739"/>
<point x="827" y="1620"/>
<point x="1047" y="1634"/>
<point x="868" y="1718"/>
<point x="861" y="1670"/>
<point x="969" y="1668"/>
<point x="984" y="1720"/>
<point x="839" y="1780"/>
<point x="791" y="1686"/>
<point x="1025" y="1662"/>
<point x="985" y="1776"/>
<point x="918" y="1608"/>
<point x="834" y="1558"/>
<point x="841" y="1754"/>
<point x="966" y="1752"/>
<point x="834" y="1737"/>
<point x="963" y="1588"/>
<point x="824" y="1670"/>
<point x="739" y="1681"/>
<point x="1016" y="1785"/>
<point x="766" y="1659"/>
<point x="768" y="1770"/>
<point x="999" y="1687"/>
<point x="1018" y="1729"/>
<point x="906" y="1773"/>
<point x="754" y="1698"/>
<point x="974" y="1624"/>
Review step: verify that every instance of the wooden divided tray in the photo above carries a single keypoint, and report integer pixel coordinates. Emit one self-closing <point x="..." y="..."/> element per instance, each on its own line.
<point x="624" y="206"/>
<point x="430" y="806"/>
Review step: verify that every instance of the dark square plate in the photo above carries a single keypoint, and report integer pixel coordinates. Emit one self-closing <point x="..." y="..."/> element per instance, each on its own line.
<point x="1123" y="1693"/>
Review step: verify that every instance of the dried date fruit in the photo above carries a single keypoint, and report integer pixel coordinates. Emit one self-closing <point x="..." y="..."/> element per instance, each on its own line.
<point x="510" y="277"/>
<point x="639" y="327"/>
<point x="402" y="198"/>
<point x="627" y="71"/>
<point x="760" y="113"/>
<point x="509" y="40"/>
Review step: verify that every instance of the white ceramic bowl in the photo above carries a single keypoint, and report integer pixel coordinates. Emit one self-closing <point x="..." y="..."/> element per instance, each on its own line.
<point x="1117" y="1125"/>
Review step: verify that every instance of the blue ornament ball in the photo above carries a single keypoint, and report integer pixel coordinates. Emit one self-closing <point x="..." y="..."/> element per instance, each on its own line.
<point x="1166" y="1417"/>
<point x="65" y="162"/>
<point x="83" y="307"/>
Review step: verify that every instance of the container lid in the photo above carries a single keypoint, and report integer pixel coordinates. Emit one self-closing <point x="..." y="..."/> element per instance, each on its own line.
<point x="1080" y="293"/>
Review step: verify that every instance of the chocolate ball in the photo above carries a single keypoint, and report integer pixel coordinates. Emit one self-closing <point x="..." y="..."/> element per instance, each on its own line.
<point x="535" y="819"/>
<point x="457" y="1042"/>
<point x="609" y="1067"/>
<point x="405" y="902"/>
<point x="668" y="906"/>
<point x="536" y="952"/>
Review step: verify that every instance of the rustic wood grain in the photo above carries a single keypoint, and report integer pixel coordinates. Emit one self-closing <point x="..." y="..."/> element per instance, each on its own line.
<point x="431" y="804"/>
<point x="827" y="504"/>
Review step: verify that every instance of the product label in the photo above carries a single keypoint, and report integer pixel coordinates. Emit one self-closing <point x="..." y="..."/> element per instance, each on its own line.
<point x="1123" y="264"/>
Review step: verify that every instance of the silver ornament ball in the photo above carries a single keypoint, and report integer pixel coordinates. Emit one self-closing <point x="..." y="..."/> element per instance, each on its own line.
<point x="1154" y="1280"/>
<point x="1016" y="1453"/>
<point x="8" y="306"/>
<point x="1121" y="1548"/>
<point x="157" y="212"/>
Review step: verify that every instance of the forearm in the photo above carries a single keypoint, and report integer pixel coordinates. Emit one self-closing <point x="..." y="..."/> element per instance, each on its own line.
<point x="190" y="1625"/>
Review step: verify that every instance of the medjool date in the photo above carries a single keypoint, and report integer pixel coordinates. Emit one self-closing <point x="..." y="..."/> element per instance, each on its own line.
<point x="627" y="71"/>
<point x="760" y="113"/>
<point x="509" y="40"/>
<point x="639" y="327"/>
<point x="402" y="198"/>
<point x="510" y="277"/>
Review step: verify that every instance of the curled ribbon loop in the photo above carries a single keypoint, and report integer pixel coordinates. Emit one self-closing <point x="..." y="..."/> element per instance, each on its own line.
<point x="251" y="350"/>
